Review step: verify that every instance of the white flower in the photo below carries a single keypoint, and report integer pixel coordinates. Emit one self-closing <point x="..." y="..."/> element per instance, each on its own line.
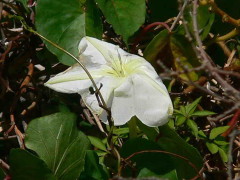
<point x="131" y="87"/>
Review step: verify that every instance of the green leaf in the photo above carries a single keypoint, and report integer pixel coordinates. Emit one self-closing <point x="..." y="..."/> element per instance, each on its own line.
<point x="126" y="16"/>
<point x="57" y="140"/>
<point x="221" y="141"/>
<point x="190" y="108"/>
<point x="24" y="166"/>
<point x="217" y="131"/>
<point x="183" y="56"/>
<point x="92" y="169"/>
<point x="150" y="160"/>
<point x="223" y="155"/>
<point x="205" y="19"/>
<point x="180" y="120"/>
<point x="157" y="45"/>
<point x="202" y="135"/>
<point x="121" y="131"/>
<point x="96" y="142"/>
<point x="203" y="113"/>
<point x="193" y="126"/>
<point x="66" y="23"/>
<point x="169" y="141"/>
<point x="172" y="175"/>
<point x="213" y="148"/>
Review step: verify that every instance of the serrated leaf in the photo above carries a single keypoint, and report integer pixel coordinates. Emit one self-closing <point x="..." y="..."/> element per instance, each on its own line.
<point x="96" y="142"/>
<point x="213" y="148"/>
<point x="217" y="131"/>
<point x="190" y="108"/>
<point x="180" y="120"/>
<point x="66" y="23"/>
<point x="25" y="165"/>
<point x="203" y="113"/>
<point x="193" y="126"/>
<point x="223" y="155"/>
<point x="126" y="16"/>
<point x="57" y="140"/>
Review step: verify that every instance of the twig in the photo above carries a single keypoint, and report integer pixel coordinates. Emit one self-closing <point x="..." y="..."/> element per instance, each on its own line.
<point x="179" y="14"/>
<point x="225" y="17"/>
<point x="230" y="159"/>
<point x="27" y="78"/>
<point x="4" y="165"/>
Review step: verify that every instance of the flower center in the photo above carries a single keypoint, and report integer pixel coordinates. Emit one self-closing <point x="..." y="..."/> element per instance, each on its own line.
<point x="121" y="66"/>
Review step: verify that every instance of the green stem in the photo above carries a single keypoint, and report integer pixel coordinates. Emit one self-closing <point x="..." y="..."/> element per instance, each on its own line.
<point x="132" y="124"/>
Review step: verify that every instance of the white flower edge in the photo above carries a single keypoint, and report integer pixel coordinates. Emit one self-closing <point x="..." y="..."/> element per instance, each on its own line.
<point x="131" y="87"/>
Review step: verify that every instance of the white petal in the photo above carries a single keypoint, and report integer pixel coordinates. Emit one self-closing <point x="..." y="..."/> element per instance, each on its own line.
<point x="94" y="52"/>
<point x="73" y="80"/>
<point x="108" y="84"/>
<point x="123" y="103"/>
<point x="143" y="67"/>
<point x="152" y="107"/>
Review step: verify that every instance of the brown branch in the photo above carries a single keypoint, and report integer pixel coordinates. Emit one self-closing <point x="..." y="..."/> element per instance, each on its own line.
<point x="27" y="78"/>
<point x="225" y="17"/>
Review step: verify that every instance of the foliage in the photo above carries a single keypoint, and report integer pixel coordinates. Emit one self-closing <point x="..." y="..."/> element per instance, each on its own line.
<point x="194" y="46"/>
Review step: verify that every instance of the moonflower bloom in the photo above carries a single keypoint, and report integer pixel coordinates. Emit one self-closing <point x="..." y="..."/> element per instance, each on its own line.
<point x="131" y="87"/>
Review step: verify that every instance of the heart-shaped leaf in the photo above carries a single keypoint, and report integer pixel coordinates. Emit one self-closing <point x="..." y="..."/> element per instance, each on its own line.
<point x="126" y="16"/>
<point x="65" y="23"/>
<point x="24" y="166"/>
<point x="56" y="139"/>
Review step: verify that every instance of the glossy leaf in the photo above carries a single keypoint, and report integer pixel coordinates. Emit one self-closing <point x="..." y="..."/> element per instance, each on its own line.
<point x="126" y="16"/>
<point x="92" y="169"/>
<point x="213" y="148"/>
<point x="66" y="23"/>
<point x="24" y="166"/>
<point x="217" y="131"/>
<point x="56" y="139"/>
